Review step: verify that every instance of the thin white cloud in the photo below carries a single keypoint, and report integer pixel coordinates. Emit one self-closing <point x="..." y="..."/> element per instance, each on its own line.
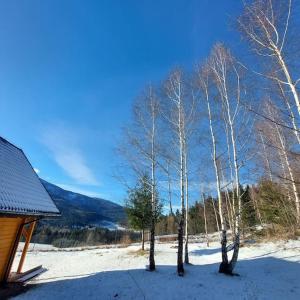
<point x="79" y="190"/>
<point x="64" y="146"/>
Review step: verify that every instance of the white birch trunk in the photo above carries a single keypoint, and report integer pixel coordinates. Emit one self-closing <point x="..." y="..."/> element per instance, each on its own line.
<point x="221" y="210"/>
<point x="186" y="223"/>
<point x="205" y="221"/>
<point x="291" y="113"/>
<point x="153" y="189"/>
<point x="288" y="78"/>
<point x="290" y="172"/>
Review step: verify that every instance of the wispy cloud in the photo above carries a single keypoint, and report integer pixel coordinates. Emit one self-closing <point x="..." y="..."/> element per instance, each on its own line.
<point x="79" y="190"/>
<point x="64" y="146"/>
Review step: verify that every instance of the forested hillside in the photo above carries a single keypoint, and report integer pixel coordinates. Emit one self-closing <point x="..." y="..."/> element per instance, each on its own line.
<point x="79" y="210"/>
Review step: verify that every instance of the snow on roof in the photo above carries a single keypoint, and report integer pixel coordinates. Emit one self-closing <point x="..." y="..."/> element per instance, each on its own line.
<point x="21" y="191"/>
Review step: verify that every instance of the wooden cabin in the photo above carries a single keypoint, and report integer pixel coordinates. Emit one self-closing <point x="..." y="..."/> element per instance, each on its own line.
<point x="23" y="201"/>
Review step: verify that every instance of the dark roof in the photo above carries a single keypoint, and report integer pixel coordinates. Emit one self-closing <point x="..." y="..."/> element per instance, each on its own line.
<point x="21" y="191"/>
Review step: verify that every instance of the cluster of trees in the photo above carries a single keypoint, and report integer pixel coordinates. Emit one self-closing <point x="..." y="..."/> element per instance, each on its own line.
<point x="204" y="217"/>
<point x="230" y="122"/>
<point x="62" y="237"/>
<point x="139" y="207"/>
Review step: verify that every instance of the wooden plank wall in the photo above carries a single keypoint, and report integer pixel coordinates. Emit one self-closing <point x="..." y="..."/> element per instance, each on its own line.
<point x="8" y="232"/>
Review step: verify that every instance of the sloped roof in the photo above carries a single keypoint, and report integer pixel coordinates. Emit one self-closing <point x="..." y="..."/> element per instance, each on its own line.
<point x="21" y="191"/>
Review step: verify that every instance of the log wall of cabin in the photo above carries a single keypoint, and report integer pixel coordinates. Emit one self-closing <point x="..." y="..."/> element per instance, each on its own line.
<point x="9" y="228"/>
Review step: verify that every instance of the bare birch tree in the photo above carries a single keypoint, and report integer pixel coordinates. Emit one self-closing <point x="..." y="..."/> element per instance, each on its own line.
<point x="222" y="72"/>
<point x="204" y="81"/>
<point x="141" y="149"/>
<point x="277" y="139"/>
<point x="178" y="117"/>
<point x="266" y="25"/>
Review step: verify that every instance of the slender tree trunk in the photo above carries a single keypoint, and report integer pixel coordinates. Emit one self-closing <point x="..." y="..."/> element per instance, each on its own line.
<point x="290" y="171"/>
<point x="186" y="246"/>
<point x="169" y="189"/>
<point x="152" y="243"/>
<point x="174" y="88"/>
<point x="288" y="78"/>
<point x="221" y="210"/>
<point x="205" y="221"/>
<point x="231" y="201"/>
<point x="143" y="239"/>
<point x="180" y="268"/>
<point x="216" y="215"/>
<point x="230" y="210"/>
<point x="153" y="193"/>
<point x="238" y="196"/>
<point x="291" y="113"/>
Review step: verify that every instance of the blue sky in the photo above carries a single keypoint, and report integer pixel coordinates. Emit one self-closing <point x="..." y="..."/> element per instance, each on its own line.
<point x="69" y="71"/>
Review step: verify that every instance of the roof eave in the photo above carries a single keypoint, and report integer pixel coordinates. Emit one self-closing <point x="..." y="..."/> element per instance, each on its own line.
<point x="30" y="214"/>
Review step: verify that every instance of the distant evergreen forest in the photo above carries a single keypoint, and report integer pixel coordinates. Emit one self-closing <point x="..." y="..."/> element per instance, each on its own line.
<point x="71" y="237"/>
<point x="261" y="203"/>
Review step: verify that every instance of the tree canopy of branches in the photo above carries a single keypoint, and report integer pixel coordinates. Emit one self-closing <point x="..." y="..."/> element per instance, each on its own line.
<point x="235" y="123"/>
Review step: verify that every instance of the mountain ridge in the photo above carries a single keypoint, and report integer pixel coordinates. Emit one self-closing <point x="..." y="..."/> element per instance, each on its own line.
<point x="81" y="210"/>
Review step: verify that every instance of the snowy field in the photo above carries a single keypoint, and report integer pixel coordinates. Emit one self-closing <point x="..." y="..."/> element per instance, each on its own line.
<point x="267" y="271"/>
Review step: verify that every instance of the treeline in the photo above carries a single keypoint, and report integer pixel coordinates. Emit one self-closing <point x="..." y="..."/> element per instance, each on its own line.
<point x="232" y="121"/>
<point x="264" y="205"/>
<point x="204" y="217"/>
<point x="71" y="237"/>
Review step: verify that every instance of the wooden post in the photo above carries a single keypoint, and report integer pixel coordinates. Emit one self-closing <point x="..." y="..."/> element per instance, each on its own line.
<point x="28" y="236"/>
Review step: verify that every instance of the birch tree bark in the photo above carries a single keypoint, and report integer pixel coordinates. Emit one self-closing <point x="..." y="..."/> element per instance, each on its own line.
<point x="290" y="111"/>
<point x="179" y="115"/>
<point x="186" y="221"/>
<point x="205" y="220"/>
<point x="154" y="112"/>
<point x="203" y="80"/>
<point x="225" y="80"/>
<point x="174" y="93"/>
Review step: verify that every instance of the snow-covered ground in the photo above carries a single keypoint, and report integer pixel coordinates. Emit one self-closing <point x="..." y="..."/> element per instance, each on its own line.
<point x="267" y="271"/>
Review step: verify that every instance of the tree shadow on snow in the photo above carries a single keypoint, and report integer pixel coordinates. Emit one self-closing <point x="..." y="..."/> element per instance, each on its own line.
<point x="262" y="278"/>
